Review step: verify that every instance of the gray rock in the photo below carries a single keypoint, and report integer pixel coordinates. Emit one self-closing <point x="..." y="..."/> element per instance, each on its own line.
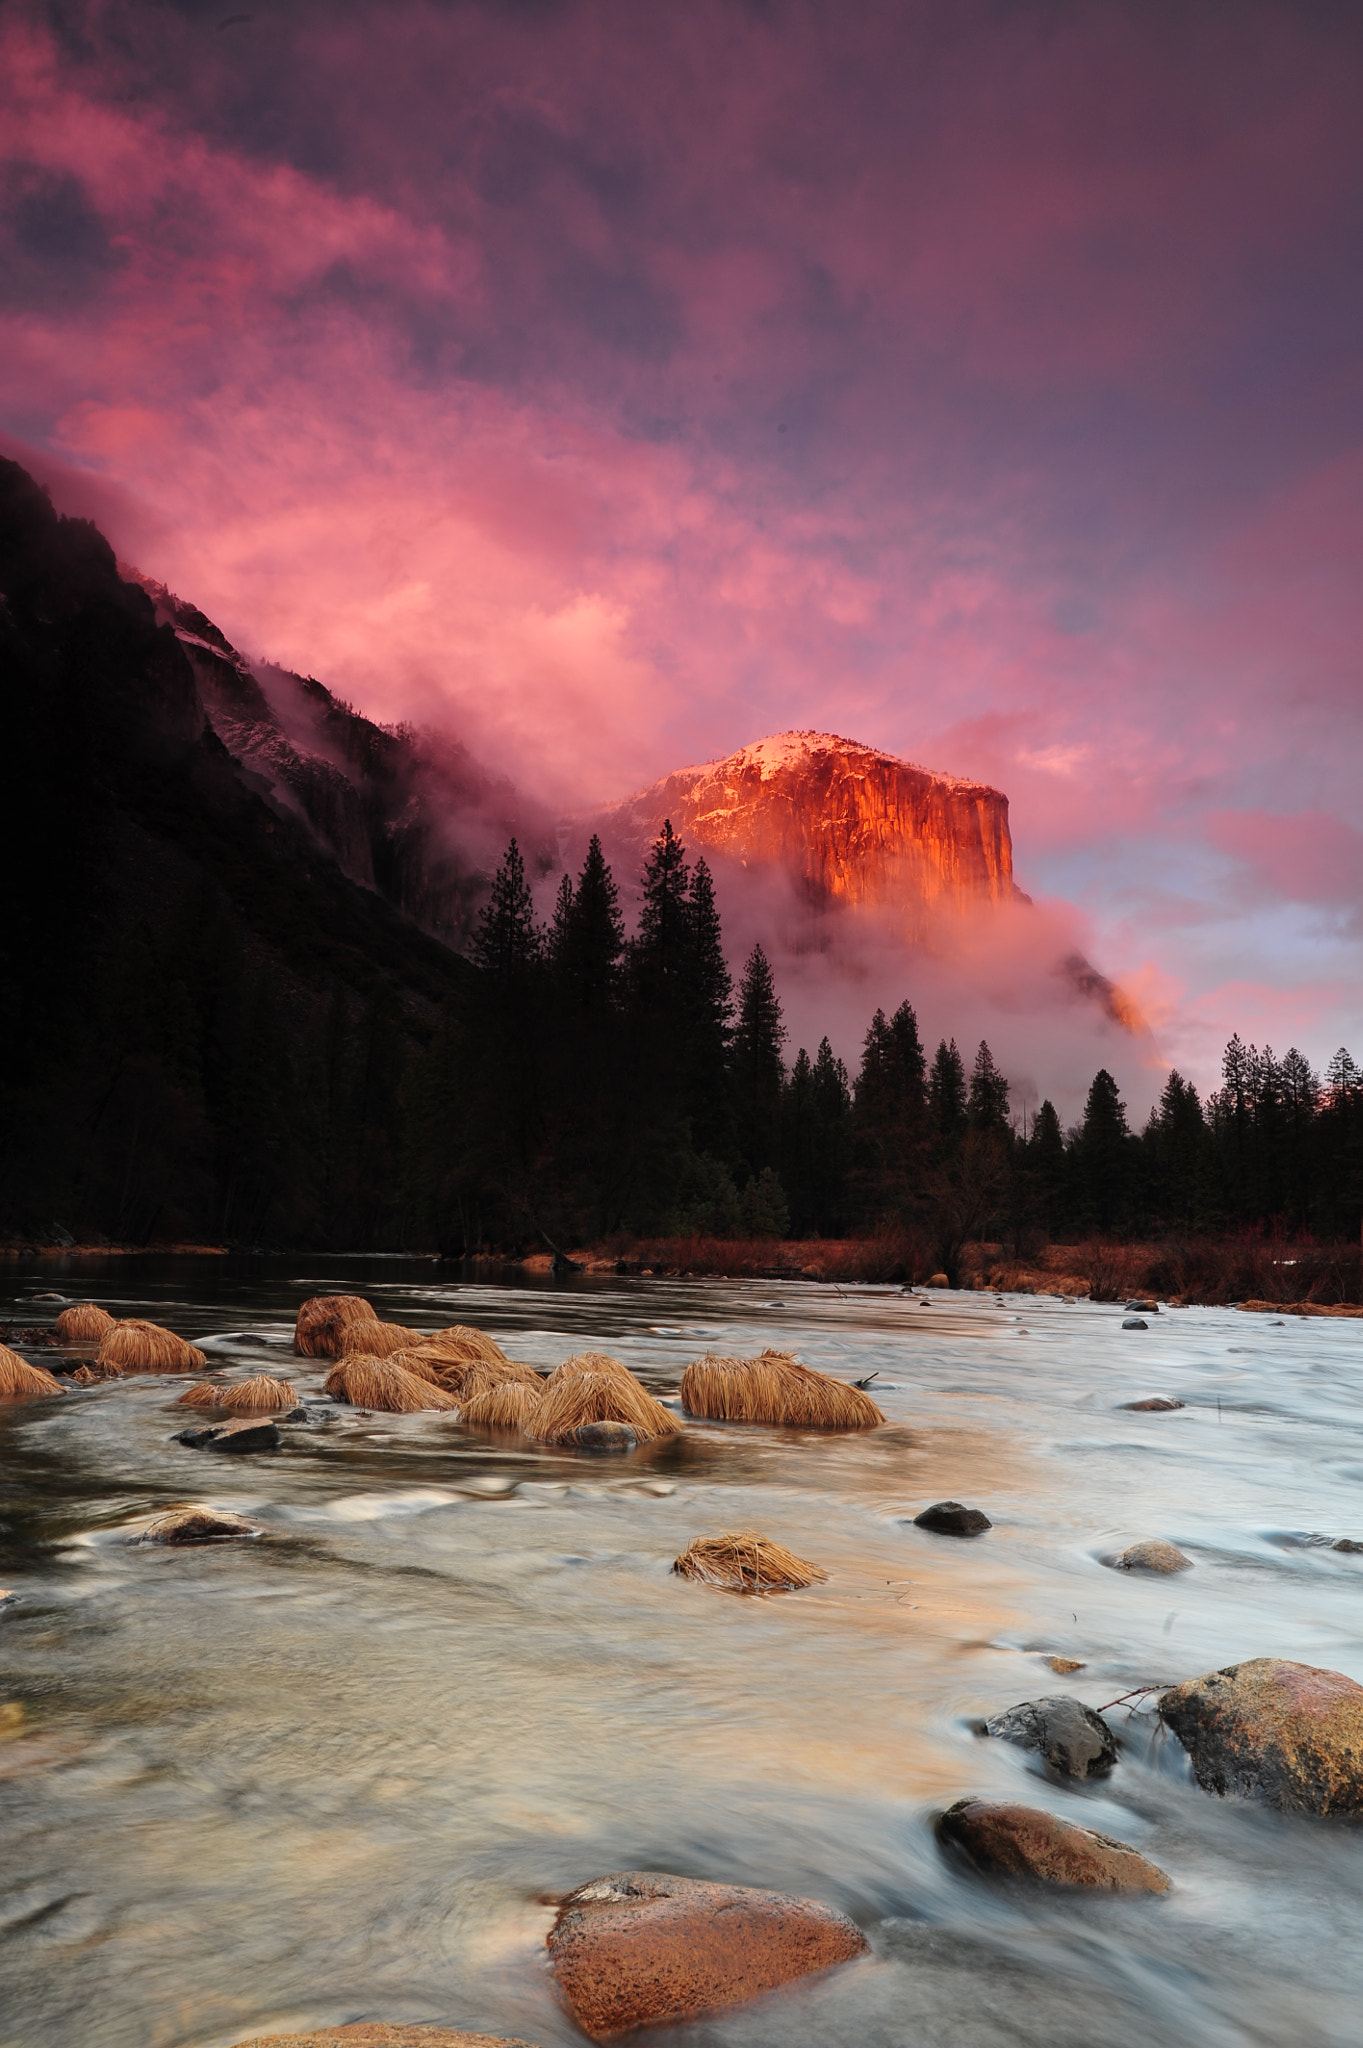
<point x="251" y="1434"/>
<point x="604" y="1436"/>
<point x="950" y="1518"/>
<point x="1135" y="1323"/>
<point x="1070" y="1737"/>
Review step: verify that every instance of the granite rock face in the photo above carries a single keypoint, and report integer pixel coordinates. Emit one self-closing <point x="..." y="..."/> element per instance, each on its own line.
<point x="1067" y="1735"/>
<point x="1007" y="1840"/>
<point x="1288" y="1734"/>
<point x="853" y="825"/>
<point x="646" y="1949"/>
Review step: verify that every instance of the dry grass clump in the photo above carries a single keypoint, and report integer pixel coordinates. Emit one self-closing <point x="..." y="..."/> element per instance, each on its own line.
<point x="774" y="1388"/>
<point x="321" y="1319"/>
<point x="511" y="1404"/>
<point x="590" y="1361"/>
<point x="378" y="1383"/>
<point x="462" y="1341"/>
<point x="20" y="1381"/>
<point x="374" y="1339"/>
<point x="258" y="1395"/>
<point x="481" y="1378"/>
<point x="135" y="1346"/>
<point x="203" y="1394"/>
<point x="84" y="1323"/>
<point x="569" y="1403"/>
<point x="415" y="1358"/>
<point x="746" y="1562"/>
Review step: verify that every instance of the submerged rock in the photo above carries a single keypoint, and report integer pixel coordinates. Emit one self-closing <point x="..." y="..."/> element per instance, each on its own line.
<point x="1158" y="1404"/>
<point x="1288" y="1734"/>
<point x="378" y="2034"/>
<point x="1153" y="1555"/>
<point x="1026" y="1841"/>
<point x="1072" y="1738"/>
<point x="1135" y="1323"/>
<point x="197" y="1525"/>
<point x="643" y="1948"/>
<point x="604" y="1436"/>
<point x="252" y="1435"/>
<point x="950" y="1518"/>
<point x="1065" y="1664"/>
<point x="1346" y="1543"/>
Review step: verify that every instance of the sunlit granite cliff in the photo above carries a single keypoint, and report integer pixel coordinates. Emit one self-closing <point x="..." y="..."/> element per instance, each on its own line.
<point x="849" y="823"/>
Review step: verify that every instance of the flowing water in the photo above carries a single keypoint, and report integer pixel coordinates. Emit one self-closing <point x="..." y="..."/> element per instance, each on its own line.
<point x="341" y="1771"/>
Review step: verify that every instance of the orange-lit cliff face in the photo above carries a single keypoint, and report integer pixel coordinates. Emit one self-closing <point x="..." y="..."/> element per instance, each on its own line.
<point x="854" y="825"/>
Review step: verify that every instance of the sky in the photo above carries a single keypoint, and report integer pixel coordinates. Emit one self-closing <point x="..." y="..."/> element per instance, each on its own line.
<point x="614" y="384"/>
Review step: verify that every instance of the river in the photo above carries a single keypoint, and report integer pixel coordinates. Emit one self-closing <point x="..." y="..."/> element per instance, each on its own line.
<point x="342" y="1771"/>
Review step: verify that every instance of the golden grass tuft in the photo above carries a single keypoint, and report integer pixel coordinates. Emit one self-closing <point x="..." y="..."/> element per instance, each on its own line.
<point x="746" y="1562"/>
<point x="84" y="1323"/>
<point x="374" y="1340"/>
<point x="204" y="1394"/>
<point x="136" y="1346"/>
<point x="415" y="1358"/>
<point x="378" y="1383"/>
<point x="584" y="1397"/>
<point x="258" y="1395"/>
<point x="462" y="1341"/>
<point x="20" y="1381"/>
<point x="489" y="1373"/>
<point x="774" y="1388"/>
<point x="511" y="1404"/>
<point x="590" y="1361"/>
<point x="321" y="1319"/>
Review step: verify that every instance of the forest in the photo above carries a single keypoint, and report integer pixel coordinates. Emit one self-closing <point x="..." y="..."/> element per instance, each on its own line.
<point x="577" y="1085"/>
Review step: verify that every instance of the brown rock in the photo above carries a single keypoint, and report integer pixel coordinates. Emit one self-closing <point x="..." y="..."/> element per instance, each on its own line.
<point x="1288" y="1734"/>
<point x="643" y="1948"/>
<point x="197" y="1525"/>
<point x="1154" y="1555"/>
<point x="377" y="2034"/>
<point x="1025" y="1841"/>
<point x="1158" y="1404"/>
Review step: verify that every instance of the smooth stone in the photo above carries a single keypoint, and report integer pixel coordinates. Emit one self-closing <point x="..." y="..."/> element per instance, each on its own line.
<point x="950" y="1518"/>
<point x="197" y="1525"/>
<point x="1135" y="1323"/>
<point x="250" y="1434"/>
<point x="1288" y="1734"/>
<point x="1025" y="1841"/>
<point x="1072" y="1738"/>
<point x="1154" y="1555"/>
<point x="643" y="1948"/>
<point x="1156" y="1405"/>
<point x="377" y="2034"/>
<point x="604" y="1436"/>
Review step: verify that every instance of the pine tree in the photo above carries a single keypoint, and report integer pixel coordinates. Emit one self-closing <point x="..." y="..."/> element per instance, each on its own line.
<point x="1103" y="1152"/>
<point x="988" y="1105"/>
<point x="1046" y="1169"/>
<point x="508" y="942"/>
<point x="947" y="1102"/>
<point x="758" y="1071"/>
<point x="890" y="1115"/>
<point x="662" y="947"/>
<point x="708" y="1012"/>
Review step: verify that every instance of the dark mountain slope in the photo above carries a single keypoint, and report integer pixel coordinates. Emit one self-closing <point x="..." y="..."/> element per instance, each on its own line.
<point x="203" y="1013"/>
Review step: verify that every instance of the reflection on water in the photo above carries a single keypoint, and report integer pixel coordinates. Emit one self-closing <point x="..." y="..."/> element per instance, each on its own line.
<point x="337" y="1772"/>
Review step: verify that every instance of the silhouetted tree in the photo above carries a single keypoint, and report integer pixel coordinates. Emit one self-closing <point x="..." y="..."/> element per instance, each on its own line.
<point x="758" y="1070"/>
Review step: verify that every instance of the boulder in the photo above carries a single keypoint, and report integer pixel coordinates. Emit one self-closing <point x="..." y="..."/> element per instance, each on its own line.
<point x="604" y="1436"/>
<point x="378" y="2034"/>
<point x="1288" y="1734"/>
<point x="253" y="1434"/>
<point x="1026" y="1841"/>
<point x="1158" y="1404"/>
<point x="197" y="1525"/>
<point x="1153" y="1555"/>
<point x="1134" y="1323"/>
<point x="1070" y="1737"/>
<point x="949" y="1518"/>
<point x="646" y="1949"/>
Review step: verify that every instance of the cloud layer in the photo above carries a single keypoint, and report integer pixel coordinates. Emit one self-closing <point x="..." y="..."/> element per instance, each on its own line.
<point x="617" y="385"/>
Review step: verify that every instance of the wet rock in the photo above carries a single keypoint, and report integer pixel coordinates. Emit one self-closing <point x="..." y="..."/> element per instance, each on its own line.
<point x="253" y="1434"/>
<point x="1153" y="1555"/>
<point x="1070" y="1737"/>
<point x="1346" y="1543"/>
<point x="197" y="1525"/>
<point x="1142" y="1308"/>
<point x="1288" y="1734"/>
<point x="1025" y="1841"/>
<point x="1064" y="1665"/>
<point x="377" y="2034"/>
<point x="937" y="1280"/>
<point x="1158" y="1404"/>
<point x="604" y="1436"/>
<point x="950" y="1518"/>
<point x="643" y="1948"/>
<point x="1135" y="1323"/>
